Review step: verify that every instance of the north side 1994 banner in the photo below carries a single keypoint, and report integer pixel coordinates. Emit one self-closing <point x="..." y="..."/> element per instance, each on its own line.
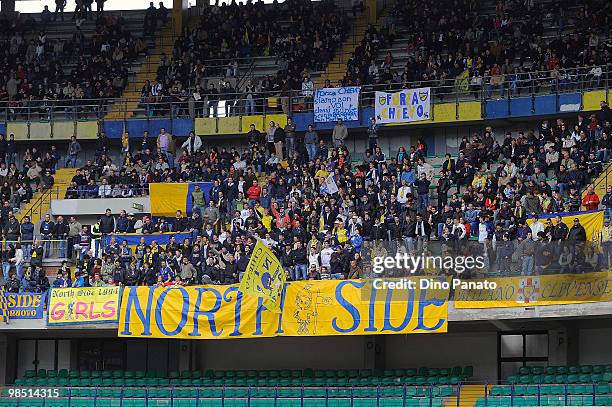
<point x="323" y="308"/>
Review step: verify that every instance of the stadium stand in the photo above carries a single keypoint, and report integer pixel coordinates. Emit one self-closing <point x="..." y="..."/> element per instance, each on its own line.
<point x="502" y="48"/>
<point x="74" y="64"/>
<point x="533" y="199"/>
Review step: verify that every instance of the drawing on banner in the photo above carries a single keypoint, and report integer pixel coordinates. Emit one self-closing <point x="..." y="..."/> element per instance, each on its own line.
<point x="331" y="104"/>
<point x="408" y="105"/>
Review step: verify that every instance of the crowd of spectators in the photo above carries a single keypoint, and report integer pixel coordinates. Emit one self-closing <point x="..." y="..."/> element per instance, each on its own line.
<point x="479" y="202"/>
<point x="454" y="44"/>
<point x="301" y="35"/>
<point x="43" y="76"/>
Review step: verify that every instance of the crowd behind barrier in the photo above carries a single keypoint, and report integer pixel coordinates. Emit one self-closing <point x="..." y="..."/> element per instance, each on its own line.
<point x="319" y="210"/>
<point x="231" y="102"/>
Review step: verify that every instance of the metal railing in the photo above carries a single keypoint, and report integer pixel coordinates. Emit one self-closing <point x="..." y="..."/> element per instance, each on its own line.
<point x="272" y="102"/>
<point x="184" y="392"/>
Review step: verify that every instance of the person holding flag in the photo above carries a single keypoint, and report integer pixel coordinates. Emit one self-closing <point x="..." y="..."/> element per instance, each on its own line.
<point x="264" y="277"/>
<point x="329" y="186"/>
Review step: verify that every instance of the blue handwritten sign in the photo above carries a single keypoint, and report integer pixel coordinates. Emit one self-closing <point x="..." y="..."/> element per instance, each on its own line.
<point x="331" y="104"/>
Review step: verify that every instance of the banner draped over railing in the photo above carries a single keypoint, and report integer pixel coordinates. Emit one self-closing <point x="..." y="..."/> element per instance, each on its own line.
<point x="86" y="305"/>
<point x="331" y="104"/>
<point x="26" y="305"/>
<point x="167" y="198"/>
<point x="133" y="239"/>
<point x="322" y="308"/>
<point x="538" y="290"/>
<point x="408" y="105"/>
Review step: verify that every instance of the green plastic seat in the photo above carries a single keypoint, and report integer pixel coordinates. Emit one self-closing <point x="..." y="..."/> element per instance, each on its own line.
<point x="411" y="372"/>
<point x="468" y="372"/>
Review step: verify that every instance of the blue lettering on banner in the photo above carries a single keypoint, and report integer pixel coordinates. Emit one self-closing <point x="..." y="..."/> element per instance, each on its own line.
<point x="331" y="104"/>
<point x="350" y="308"/>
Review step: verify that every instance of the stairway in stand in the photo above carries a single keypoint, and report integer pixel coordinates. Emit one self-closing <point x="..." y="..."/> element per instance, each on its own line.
<point x="130" y="98"/>
<point x="336" y="69"/>
<point x="40" y="204"/>
<point x="468" y="395"/>
<point x="601" y="182"/>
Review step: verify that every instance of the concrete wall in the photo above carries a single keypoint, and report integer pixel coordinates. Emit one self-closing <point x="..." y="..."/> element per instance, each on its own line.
<point x="478" y="349"/>
<point x="334" y="352"/>
<point x="594" y="346"/>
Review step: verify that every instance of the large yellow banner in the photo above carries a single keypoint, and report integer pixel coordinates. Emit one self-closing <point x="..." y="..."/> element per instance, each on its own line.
<point x="538" y="290"/>
<point x="85" y="305"/>
<point x="348" y="307"/>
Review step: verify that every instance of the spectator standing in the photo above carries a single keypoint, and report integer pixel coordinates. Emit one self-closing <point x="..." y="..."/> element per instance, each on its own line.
<point x="193" y="144"/>
<point x="27" y="236"/>
<point x="74" y="229"/>
<point x="279" y="141"/>
<point x="60" y="233"/>
<point x="46" y="232"/>
<point x="311" y="139"/>
<point x="74" y="148"/>
<point x="290" y="138"/>
<point x="339" y="134"/>
<point x="372" y="135"/>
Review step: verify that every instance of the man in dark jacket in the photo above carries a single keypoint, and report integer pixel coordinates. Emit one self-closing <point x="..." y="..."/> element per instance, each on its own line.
<point x="46" y="232"/>
<point x="12" y="229"/>
<point x="444" y="186"/>
<point x="606" y="201"/>
<point x="36" y="254"/>
<point x="60" y="233"/>
<point x="577" y="233"/>
<point x="422" y="189"/>
<point x="253" y="136"/>
<point x="27" y="236"/>
<point x="107" y="223"/>
<point x="123" y="223"/>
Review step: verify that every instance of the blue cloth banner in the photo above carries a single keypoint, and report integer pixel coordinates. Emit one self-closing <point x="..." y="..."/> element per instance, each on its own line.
<point x="133" y="239"/>
<point x="331" y="104"/>
<point x="26" y="305"/>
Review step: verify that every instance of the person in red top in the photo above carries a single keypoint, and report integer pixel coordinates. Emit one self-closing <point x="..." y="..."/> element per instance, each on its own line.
<point x="590" y="200"/>
<point x="552" y="62"/>
<point x="254" y="191"/>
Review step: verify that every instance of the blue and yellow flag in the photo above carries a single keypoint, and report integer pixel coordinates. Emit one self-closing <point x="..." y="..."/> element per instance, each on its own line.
<point x="264" y="277"/>
<point x="4" y="312"/>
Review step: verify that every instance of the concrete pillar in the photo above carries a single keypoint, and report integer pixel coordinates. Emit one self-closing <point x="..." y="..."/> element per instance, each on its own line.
<point x="179" y="15"/>
<point x="573" y="345"/>
<point x="184" y="359"/>
<point x="374" y="352"/>
<point x="8" y="358"/>
<point x="372" y="10"/>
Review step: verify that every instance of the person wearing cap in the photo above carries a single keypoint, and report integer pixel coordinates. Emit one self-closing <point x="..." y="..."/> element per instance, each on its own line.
<point x="577" y="233"/>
